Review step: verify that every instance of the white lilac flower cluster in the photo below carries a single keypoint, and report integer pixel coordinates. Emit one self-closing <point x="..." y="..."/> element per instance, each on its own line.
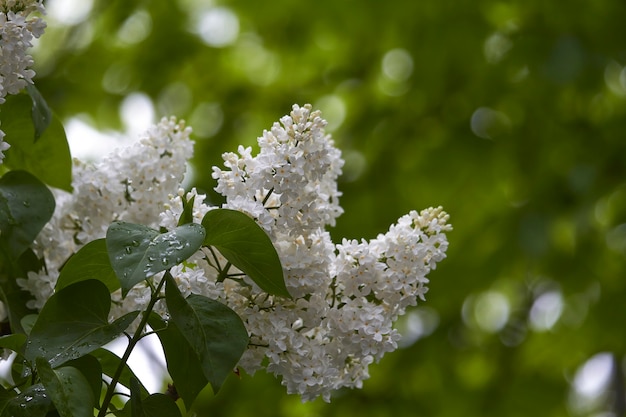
<point x="346" y="297"/>
<point x="131" y="184"/>
<point x="17" y="30"/>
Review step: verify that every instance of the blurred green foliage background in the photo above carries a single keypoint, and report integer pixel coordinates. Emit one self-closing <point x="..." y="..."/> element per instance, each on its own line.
<point x="510" y="114"/>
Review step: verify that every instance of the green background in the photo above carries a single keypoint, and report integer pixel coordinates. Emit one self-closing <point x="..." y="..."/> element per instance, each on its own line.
<point x="511" y="115"/>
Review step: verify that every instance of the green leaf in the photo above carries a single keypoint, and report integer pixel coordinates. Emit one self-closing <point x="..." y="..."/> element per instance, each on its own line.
<point x="136" y="408"/>
<point x="26" y="205"/>
<point x="28" y="322"/>
<point x="156" y="405"/>
<point x="14" y="342"/>
<point x="40" y="112"/>
<point x="138" y="252"/>
<point x="215" y="333"/>
<point x="91" y="369"/>
<point x="68" y="388"/>
<point x="21" y="371"/>
<point x="183" y="364"/>
<point x="74" y="322"/>
<point x="110" y="361"/>
<point x="160" y="405"/>
<point x="90" y="262"/>
<point x="246" y="245"/>
<point x="34" y="401"/>
<point x="6" y="396"/>
<point x="187" y="214"/>
<point x="48" y="157"/>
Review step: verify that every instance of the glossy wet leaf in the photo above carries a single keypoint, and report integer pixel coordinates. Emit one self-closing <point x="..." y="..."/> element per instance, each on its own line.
<point x="246" y="245"/>
<point x="68" y="388"/>
<point x="183" y="364"/>
<point x="48" y="157"/>
<point x="74" y="322"/>
<point x="32" y="402"/>
<point x="90" y="262"/>
<point x="26" y="205"/>
<point x="137" y="252"/>
<point x="215" y="333"/>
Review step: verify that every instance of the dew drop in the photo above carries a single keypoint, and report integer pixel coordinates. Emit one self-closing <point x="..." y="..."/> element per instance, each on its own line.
<point x="128" y="250"/>
<point x="164" y="261"/>
<point x="26" y="203"/>
<point x="135" y="243"/>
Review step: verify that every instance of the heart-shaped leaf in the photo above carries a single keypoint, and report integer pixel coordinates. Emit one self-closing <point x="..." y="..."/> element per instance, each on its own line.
<point x="215" y="333"/>
<point x="138" y="252"/>
<point x="73" y="323"/>
<point x="90" y="262"/>
<point x="183" y="364"/>
<point x="68" y="388"/>
<point x="246" y="245"/>
<point x="26" y="205"/>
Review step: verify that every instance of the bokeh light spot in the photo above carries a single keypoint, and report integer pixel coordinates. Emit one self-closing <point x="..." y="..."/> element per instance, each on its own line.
<point x="333" y="110"/>
<point x="69" y="12"/>
<point x="397" y="65"/>
<point x="136" y="28"/>
<point x="137" y="113"/>
<point x="206" y="119"/>
<point x="487" y="123"/>
<point x="218" y="27"/>
<point x="546" y="311"/>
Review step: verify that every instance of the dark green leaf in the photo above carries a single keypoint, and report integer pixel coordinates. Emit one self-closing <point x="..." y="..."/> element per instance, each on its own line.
<point x="6" y="396"/>
<point x="136" y="407"/>
<point x="160" y="405"/>
<point x="26" y="205"/>
<point x="14" y="342"/>
<point x="215" y="332"/>
<point x="155" y="405"/>
<point x="21" y="371"/>
<point x="183" y="364"/>
<point x="74" y="322"/>
<point x="110" y="362"/>
<point x="68" y="388"/>
<point x="34" y="401"/>
<point x="91" y="369"/>
<point x="138" y="252"/>
<point x="242" y="241"/>
<point x="90" y="262"/>
<point x="49" y="157"/>
<point x="41" y="113"/>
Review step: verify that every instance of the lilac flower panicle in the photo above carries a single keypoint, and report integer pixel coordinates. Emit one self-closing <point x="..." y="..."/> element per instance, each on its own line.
<point x="346" y="297"/>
